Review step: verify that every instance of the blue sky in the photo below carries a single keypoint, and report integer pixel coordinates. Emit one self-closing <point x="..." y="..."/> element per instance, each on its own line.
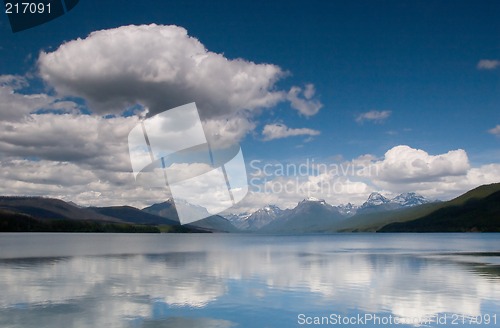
<point x="412" y="68"/>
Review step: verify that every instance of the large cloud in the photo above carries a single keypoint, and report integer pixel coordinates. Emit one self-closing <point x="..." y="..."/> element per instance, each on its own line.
<point x="403" y="164"/>
<point x="87" y="140"/>
<point x="402" y="169"/>
<point x="443" y="176"/>
<point x="74" y="182"/>
<point x="81" y="158"/>
<point x="47" y="147"/>
<point x="161" y="67"/>
<point x="85" y="159"/>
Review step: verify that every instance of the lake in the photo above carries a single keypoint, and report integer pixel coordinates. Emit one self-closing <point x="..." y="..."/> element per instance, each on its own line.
<point x="240" y="280"/>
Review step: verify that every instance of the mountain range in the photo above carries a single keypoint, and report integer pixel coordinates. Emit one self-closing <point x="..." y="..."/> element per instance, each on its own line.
<point x="47" y="214"/>
<point x="313" y="214"/>
<point x="309" y="215"/>
<point x="214" y="223"/>
<point x="476" y="210"/>
<point x="37" y="214"/>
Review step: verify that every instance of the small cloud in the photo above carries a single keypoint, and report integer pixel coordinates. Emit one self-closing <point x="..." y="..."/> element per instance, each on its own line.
<point x="306" y="106"/>
<point x="309" y="139"/>
<point x="279" y="131"/>
<point x="309" y="91"/>
<point x="488" y="64"/>
<point x="374" y="116"/>
<point x="398" y="132"/>
<point x="15" y="82"/>
<point x="495" y="130"/>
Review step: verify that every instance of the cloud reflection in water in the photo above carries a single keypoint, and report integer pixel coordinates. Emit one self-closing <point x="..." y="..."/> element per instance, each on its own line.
<point x="243" y="278"/>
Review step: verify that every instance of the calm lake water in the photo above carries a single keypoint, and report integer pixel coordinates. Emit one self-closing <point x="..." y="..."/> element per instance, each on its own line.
<point x="230" y="280"/>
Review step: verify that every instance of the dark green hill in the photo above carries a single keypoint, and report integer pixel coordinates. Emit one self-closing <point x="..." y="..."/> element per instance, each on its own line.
<point x="214" y="223"/>
<point x="476" y="193"/>
<point x="19" y="222"/>
<point x="476" y="210"/>
<point x="50" y="208"/>
<point x="376" y="221"/>
<point x="133" y="215"/>
<point x="308" y="216"/>
<point x="370" y="222"/>
<point x="39" y="214"/>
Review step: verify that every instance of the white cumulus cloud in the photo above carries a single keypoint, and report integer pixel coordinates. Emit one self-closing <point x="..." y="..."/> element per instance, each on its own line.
<point x="403" y="164"/>
<point x="83" y="139"/>
<point x="160" y="67"/>
<point x="223" y="133"/>
<point x="442" y="176"/>
<point x="306" y="106"/>
<point x="402" y="169"/>
<point x="278" y="131"/>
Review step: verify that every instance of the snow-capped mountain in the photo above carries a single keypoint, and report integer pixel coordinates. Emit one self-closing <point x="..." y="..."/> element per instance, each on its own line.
<point x="311" y="214"/>
<point x="377" y="202"/>
<point x="375" y="199"/>
<point x="310" y="202"/>
<point x="314" y="199"/>
<point x="256" y="220"/>
<point x="348" y="209"/>
<point x="238" y="220"/>
<point x="263" y="217"/>
<point x="167" y="209"/>
<point x="409" y="199"/>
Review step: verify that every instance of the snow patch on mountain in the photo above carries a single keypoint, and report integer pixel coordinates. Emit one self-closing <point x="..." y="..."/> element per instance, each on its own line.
<point x="409" y="199"/>
<point x="309" y="206"/>
<point x="348" y="209"/>
<point x="375" y="199"/>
